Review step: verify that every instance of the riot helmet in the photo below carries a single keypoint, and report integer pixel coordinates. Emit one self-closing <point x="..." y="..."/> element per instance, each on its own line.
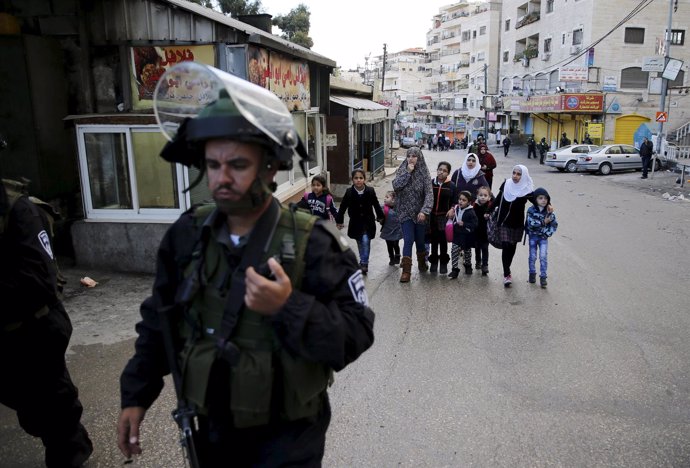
<point x="194" y="103"/>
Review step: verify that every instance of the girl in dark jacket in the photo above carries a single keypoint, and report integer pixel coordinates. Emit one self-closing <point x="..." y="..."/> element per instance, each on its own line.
<point x="364" y="210"/>
<point x="511" y="200"/>
<point x="487" y="163"/>
<point x="465" y="223"/>
<point x="482" y="208"/>
<point x="444" y="197"/>
<point x="469" y="177"/>
<point x="319" y="201"/>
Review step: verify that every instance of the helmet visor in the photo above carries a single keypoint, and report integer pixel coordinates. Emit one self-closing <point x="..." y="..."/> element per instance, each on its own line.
<point x="188" y="87"/>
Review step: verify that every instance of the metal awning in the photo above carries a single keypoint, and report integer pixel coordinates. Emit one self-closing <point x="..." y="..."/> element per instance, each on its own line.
<point x="365" y="111"/>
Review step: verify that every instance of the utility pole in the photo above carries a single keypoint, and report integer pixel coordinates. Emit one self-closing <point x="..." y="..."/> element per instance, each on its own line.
<point x="664" y="81"/>
<point x="486" y="112"/>
<point x="383" y="69"/>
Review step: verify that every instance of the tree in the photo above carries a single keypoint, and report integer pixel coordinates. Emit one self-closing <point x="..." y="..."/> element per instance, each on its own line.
<point x="295" y="26"/>
<point x="233" y="8"/>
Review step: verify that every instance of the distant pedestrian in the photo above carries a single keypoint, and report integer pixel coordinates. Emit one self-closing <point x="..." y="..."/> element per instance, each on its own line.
<point x="474" y="148"/>
<point x="487" y="163"/>
<point x="646" y="152"/>
<point x="434" y="142"/>
<point x="506" y="145"/>
<point x="391" y="231"/>
<point x="531" y="147"/>
<point x="543" y="148"/>
<point x="587" y="140"/>
<point x="541" y="224"/>
<point x="565" y="141"/>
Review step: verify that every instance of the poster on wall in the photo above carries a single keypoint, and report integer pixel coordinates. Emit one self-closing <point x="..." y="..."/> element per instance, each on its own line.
<point x="258" y="71"/>
<point x="150" y="62"/>
<point x="289" y="80"/>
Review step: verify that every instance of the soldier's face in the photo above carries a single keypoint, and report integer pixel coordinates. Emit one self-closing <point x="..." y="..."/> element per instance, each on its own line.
<point x="231" y="168"/>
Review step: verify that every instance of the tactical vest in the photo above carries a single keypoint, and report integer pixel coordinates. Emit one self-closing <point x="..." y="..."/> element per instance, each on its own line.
<point x="264" y="366"/>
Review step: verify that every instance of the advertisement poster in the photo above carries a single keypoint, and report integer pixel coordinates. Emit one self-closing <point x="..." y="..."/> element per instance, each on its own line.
<point x="289" y="80"/>
<point x="258" y="71"/>
<point x="572" y="73"/>
<point x="593" y="103"/>
<point x="150" y="62"/>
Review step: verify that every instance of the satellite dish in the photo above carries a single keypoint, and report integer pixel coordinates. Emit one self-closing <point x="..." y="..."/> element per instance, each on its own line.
<point x="477" y="124"/>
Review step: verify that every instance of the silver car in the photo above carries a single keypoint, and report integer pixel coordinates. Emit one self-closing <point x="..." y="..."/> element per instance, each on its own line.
<point x="565" y="158"/>
<point x="613" y="158"/>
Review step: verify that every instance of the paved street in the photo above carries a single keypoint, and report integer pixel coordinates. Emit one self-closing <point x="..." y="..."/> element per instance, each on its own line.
<point x="593" y="371"/>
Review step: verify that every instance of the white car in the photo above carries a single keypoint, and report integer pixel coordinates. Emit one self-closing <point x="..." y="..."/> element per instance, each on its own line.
<point x="565" y="158"/>
<point x="614" y="158"/>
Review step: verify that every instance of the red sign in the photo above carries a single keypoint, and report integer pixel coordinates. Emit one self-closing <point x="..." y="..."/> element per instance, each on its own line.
<point x="661" y="117"/>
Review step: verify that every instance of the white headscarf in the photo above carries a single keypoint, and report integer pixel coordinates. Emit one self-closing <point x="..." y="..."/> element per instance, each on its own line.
<point x="511" y="190"/>
<point x="467" y="173"/>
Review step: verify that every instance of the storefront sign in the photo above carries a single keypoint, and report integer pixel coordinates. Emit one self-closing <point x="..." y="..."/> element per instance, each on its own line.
<point x="541" y="103"/>
<point x="610" y="83"/>
<point x="573" y="73"/>
<point x="654" y="63"/>
<point x="444" y="127"/>
<point x="150" y="62"/>
<point x="593" y="103"/>
<point x="595" y="130"/>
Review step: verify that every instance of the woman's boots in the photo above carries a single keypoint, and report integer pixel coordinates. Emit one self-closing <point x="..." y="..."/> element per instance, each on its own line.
<point x="421" y="260"/>
<point x="406" y="265"/>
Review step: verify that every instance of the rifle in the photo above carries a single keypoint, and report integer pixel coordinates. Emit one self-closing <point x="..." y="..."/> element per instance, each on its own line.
<point x="185" y="414"/>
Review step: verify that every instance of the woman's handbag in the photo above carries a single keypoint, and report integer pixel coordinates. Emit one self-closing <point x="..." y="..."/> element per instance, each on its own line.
<point x="493" y="228"/>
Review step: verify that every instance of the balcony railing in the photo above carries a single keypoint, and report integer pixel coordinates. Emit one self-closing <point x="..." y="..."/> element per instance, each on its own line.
<point x="527" y="19"/>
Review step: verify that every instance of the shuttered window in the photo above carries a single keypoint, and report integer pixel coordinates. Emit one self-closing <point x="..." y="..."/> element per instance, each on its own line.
<point x="634" y="77"/>
<point x="634" y="35"/>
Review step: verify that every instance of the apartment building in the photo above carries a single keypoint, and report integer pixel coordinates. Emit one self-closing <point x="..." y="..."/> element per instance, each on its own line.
<point x="463" y="46"/>
<point x="565" y="67"/>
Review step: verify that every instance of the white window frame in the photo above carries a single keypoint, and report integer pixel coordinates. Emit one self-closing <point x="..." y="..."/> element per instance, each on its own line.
<point x="134" y="214"/>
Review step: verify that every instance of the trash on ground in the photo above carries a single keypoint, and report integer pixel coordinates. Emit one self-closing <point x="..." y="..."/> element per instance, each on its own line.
<point x="88" y="282"/>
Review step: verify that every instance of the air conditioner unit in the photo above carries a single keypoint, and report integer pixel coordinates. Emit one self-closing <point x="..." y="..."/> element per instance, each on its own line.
<point x="545" y="56"/>
<point x="574" y="50"/>
<point x="525" y="62"/>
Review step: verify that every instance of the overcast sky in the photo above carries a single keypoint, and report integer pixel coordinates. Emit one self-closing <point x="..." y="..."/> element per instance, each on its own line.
<point x="347" y="31"/>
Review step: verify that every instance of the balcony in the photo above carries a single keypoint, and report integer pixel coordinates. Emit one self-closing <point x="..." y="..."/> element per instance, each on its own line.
<point x="527" y="19"/>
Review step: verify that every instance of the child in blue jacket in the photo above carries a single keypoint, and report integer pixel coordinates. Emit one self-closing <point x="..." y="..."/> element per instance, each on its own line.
<point x="319" y="201"/>
<point x="540" y="225"/>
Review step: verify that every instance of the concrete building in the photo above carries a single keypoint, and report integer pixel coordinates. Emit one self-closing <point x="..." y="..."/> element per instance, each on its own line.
<point x="566" y="68"/>
<point x="463" y="46"/>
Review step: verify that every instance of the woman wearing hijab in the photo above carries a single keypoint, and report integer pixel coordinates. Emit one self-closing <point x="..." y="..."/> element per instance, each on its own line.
<point x="414" y="200"/>
<point x="469" y="177"/>
<point x="511" y="200"/>
<point x="487" y="163"/>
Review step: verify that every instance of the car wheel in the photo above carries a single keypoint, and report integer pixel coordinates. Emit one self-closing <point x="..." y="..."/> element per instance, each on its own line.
<point x="605" y="169"/>
<point x="571" y="166"/>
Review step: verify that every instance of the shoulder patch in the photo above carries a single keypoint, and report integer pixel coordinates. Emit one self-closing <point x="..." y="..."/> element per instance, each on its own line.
<point x="45" y="243"/>
<point x="358" y="289"/>
<point x="331" y="229"/>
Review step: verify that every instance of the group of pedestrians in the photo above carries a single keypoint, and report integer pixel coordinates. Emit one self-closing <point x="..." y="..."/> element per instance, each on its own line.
<point x="439" y="143"/>
<point x="427" y="213"/>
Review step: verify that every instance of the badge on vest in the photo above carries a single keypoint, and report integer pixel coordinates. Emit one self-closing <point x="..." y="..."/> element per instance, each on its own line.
<point x="357" y="288"/>
<point x="45" y="243"/>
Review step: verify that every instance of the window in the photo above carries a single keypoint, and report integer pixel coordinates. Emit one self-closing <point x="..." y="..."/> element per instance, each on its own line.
<point x="577" y="36"/>
<point x="481" y="56"/>
<point x="123" y="176"/>
<point x="634" y="36"/>
<point x="547" y="45"/>
<point x="472" y="59"/>
<point x="680" y="78"/>
<point x="505" y="55"/>
<point x="482" y="30"/>
<point x="549" y="6"/>
<point x="507" y="25"/>
<point x="677" y="36"/>
<point x="634" y="77"/>
<point x="563" y="39"/>
<point x="474" y="34"/>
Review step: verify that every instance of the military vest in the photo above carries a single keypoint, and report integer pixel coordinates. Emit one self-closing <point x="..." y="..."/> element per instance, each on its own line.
<point x="264" y="366"/>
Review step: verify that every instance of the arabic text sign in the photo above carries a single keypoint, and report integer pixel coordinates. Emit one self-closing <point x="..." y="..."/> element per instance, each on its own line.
<point x="573" y="73"/>
<point x="593" y="103"/>
<point x="654" y="63"/>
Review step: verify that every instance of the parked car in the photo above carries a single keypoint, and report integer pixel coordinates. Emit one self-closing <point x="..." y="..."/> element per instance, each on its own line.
<point x="408" y="142"/>
<point x="565" y="158"/>
<point x="614" y="158"/>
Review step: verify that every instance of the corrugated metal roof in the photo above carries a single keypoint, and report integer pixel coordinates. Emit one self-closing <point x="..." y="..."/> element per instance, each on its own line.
<point x="252" y="31"/>
<point x="357" y="103"/>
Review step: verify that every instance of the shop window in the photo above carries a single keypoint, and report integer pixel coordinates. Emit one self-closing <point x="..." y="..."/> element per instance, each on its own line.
<point x="123" y="175"/>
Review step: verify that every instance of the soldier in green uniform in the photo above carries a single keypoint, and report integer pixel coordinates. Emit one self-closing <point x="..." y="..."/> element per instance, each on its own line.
<point x="266" y="301"/>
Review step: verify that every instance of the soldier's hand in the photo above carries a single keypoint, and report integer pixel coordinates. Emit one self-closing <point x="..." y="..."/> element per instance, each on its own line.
<point x="128" y="430"/>
<point x="266" y="296"/>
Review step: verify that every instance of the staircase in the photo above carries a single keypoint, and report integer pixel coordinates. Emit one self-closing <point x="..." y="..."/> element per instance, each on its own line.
<point x="678" y="151"/>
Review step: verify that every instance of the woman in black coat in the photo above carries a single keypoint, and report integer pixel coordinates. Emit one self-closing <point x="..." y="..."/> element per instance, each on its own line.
<point x="510" y="203"/>
<point x="364" y="210"/>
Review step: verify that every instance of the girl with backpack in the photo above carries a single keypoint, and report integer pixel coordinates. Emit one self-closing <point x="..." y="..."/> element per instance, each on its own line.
<point x="319" y="201"/>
